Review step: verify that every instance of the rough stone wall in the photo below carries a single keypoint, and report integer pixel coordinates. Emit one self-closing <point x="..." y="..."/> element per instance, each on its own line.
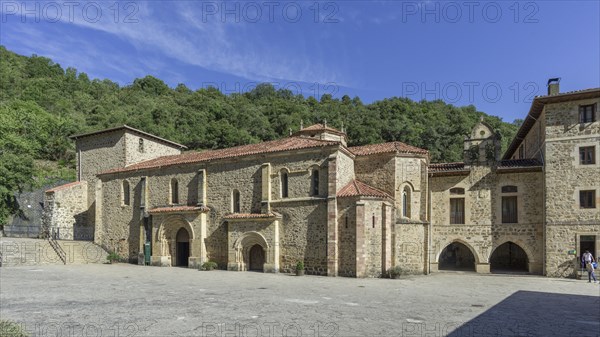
<point x="483" y="230"/>
<point x="377" y="170"/>
<point x="347" y="237"/>
<point x="564" y="178"/>
<point x="409" y="247"/>
<point x="560" y="238"/>
<point x="299" y="168"/>
<point x="303" y="236"/>
<point x="151" y="149"/>
<point x="562" y="119"/>
<point x="373" y="238"/>
<point x="66" y="213"/>
<point x="97" y="154"/>
<point x="345" y="170"/>
<point x="411" y="172"/>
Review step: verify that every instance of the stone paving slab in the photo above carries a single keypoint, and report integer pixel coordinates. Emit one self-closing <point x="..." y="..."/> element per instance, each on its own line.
<point x="129" y="300"/>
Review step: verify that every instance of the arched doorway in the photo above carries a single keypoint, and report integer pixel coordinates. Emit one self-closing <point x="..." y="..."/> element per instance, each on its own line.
<point x="509" y="257"/>
<point x="457" y="256"/>
<point x="256" y="258"/>
<point x="183" y="248"/>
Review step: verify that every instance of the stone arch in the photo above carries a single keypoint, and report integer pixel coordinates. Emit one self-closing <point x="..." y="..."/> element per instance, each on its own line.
<point x="244" y="244"/>
<point x="516" y="263"/>
<point x="520" y="243"/>
<point x="476" y="257"/>
<point x="166" y="236"/>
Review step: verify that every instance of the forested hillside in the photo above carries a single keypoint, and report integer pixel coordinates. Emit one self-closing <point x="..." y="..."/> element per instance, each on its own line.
<point x="41" y="104"/>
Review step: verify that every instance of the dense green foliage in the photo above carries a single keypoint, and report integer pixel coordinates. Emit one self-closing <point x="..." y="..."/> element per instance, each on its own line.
<point x="42" y="103"/>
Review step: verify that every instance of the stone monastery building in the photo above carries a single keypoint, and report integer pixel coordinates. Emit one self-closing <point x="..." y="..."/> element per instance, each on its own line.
<point x="346" y="211"/>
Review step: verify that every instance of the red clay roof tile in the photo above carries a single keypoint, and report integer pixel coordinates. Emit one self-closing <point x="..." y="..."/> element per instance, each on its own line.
<point x="358" y="188"/>
<point x="391" y="147"/>
<point x="175" y="209"/>
<point x="279" y="145"/>
<point x="63" y="187"/>
<point x="249" y="215"/>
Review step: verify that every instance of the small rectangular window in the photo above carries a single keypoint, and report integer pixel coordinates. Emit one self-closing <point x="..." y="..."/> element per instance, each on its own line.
<point x="587" y="155"/>
<point x="587" y="113"/>
<point x="587" y="199"/>
<point x="509" y="210"/>
<point x="457" y="211"/>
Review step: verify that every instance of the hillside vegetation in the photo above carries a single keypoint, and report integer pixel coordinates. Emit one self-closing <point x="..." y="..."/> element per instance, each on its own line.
<point x="41" y="104"/>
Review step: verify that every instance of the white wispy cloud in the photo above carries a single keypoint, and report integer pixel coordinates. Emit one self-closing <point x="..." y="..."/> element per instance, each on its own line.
<point x="178" y="31"/>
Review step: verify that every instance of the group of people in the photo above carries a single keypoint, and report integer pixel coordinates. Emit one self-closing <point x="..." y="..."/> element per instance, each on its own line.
<point x="588" y="262"/>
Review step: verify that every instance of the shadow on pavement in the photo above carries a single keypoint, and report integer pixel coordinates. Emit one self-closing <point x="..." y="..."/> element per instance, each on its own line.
<point x="531" y="313"/>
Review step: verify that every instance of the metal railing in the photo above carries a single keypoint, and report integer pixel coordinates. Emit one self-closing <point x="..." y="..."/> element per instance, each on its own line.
<point x="58" y="249"/>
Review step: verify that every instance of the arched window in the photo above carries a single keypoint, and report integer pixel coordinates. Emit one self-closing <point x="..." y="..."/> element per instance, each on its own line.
<point x="174" y="191"/>
<point x="314" y="190"/>
<point x="141" y="145"/>
<point x="284" y="183"/>
<point x="235" y="201"/>
<point x="406" y="202"/>
<point x="125" y="194"/>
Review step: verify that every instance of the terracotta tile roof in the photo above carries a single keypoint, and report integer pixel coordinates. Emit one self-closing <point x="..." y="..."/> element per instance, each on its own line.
<point x="358" y="188"/>
<point x="250" y="215"/>
<point x="517" y="163"/>
<point x="176" y="209"/>
<point x="279" y="145"/>
<point x="392" y="147"/>
<point x="64" y="187"/>
<point x="443" y="167"/>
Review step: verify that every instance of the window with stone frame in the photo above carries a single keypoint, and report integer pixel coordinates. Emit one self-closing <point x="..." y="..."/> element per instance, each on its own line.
<point x="587" y="113"/>
<point x="457" y="206"/>
<point x="125" y="193"/>
<point x="314" y="189"/>
<point x="587" y="155"/>
<point x="509" y="205"/>
<point x="284" y="183"/>
<point x="174" y="191"/>
<point x="141" y="145"/>
<point x="587" y="199"/>
<point x="235" y="201"/>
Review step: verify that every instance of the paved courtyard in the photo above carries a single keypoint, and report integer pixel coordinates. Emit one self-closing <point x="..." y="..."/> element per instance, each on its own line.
<point x="128" y="300"/>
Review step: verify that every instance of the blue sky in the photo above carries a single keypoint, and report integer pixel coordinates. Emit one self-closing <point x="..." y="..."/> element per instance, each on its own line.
<point x="496" y="55"/>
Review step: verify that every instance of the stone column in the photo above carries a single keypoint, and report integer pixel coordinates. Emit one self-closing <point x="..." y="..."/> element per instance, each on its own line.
<point x="361" y="255"/>
<point x="266" y="188"/>
<point x="332" y="223"/>
<point x="386" y="237"/>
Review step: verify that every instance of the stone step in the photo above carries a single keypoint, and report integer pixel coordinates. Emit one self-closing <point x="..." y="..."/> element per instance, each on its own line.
<point x="30" y="252"/>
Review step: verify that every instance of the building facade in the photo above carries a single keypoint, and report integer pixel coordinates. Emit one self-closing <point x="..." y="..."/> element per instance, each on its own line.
<point x="347" y="211"/>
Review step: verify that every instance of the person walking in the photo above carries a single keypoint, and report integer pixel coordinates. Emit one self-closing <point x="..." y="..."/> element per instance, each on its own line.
<point x="588" y="260"/>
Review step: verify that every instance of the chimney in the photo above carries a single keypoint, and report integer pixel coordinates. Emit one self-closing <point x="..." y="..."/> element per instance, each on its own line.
<point x="553" y="86"/>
